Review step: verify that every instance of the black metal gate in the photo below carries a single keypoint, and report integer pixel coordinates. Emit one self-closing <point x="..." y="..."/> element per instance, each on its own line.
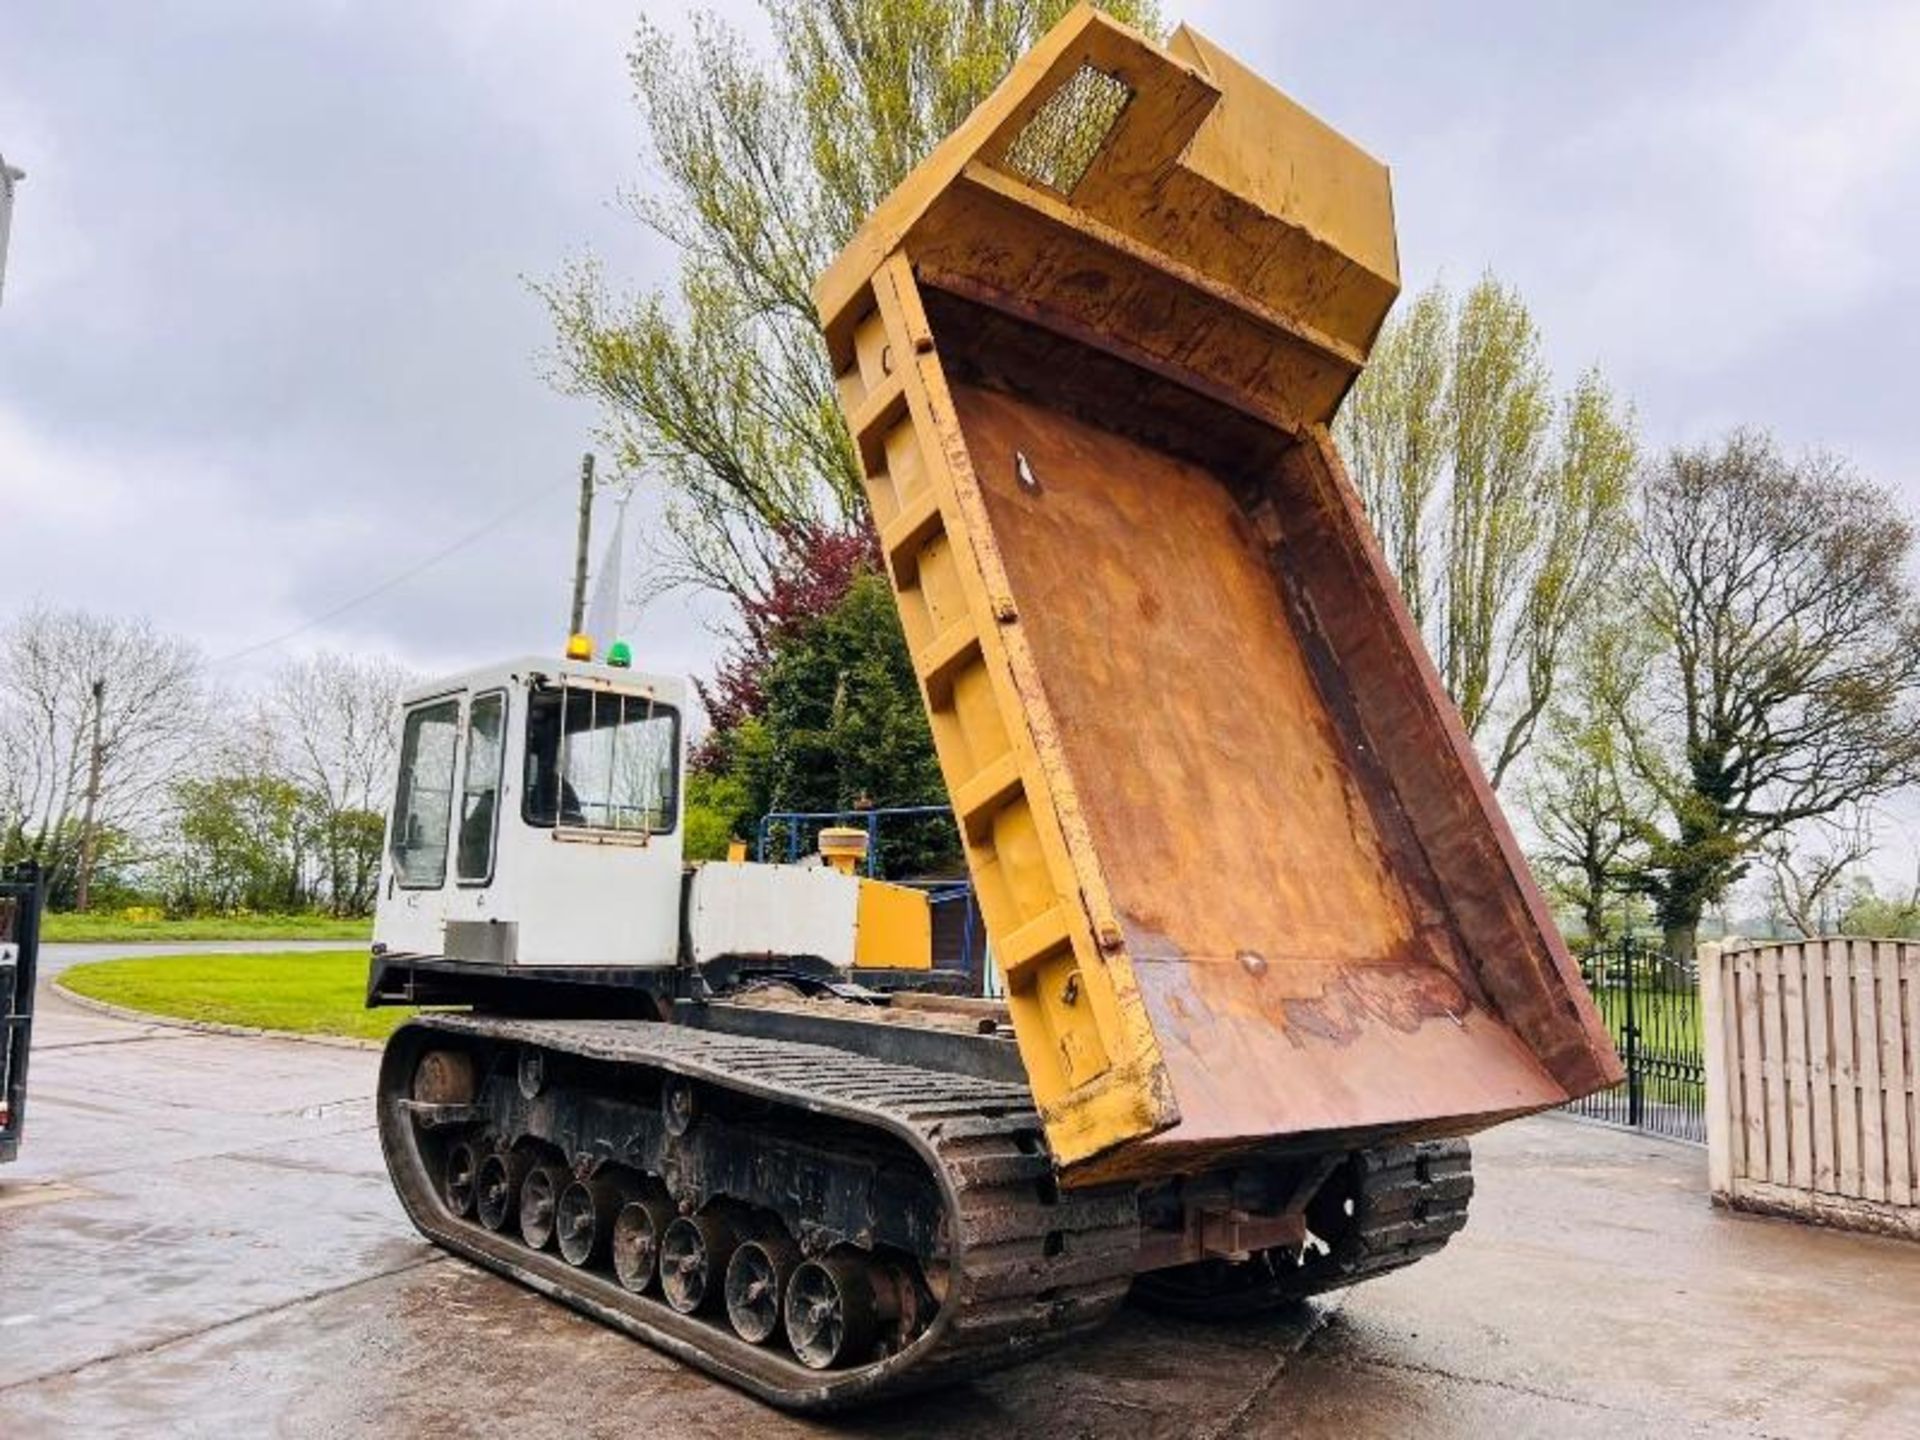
<point x="20" y="901"/>
<point x="1651" y="1005"/>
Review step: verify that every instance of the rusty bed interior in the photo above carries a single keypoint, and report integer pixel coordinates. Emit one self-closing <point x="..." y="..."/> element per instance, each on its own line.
<point x="1300" y="966"/>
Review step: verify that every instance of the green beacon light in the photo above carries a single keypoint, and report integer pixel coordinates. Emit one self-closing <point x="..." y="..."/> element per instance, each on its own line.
<point x="620" y="654"/>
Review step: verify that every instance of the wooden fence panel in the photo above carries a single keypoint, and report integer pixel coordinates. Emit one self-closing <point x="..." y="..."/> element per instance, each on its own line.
<point x="1910" y="984"/>
<point x="1793" y="1002"/>
<point x="1846" y="1080"/>
<point x="1826" y="1166"/>
<point x="1773" y="1072"/>
<point x="1893" y="1070"/>
<point x="1813" y="1080"/>
<point x="1749" y="1064"/>
<point x="1873" y="1117"/>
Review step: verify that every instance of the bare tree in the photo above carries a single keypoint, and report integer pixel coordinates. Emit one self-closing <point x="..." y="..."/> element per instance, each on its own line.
<point x="1502" y="510"/>
<point x="338" y="718"/>
<point x="98" y="717"/>
<point x="1784" y="686"/>
<point x="1806" y="882"/>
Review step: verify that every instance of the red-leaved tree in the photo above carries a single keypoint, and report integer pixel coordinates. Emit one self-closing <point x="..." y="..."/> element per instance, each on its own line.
<point x="818" y="565"/>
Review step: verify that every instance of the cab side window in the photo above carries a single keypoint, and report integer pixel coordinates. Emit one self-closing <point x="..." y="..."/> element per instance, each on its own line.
<point x="480" y="792"/>
<point x="423" y="806"/>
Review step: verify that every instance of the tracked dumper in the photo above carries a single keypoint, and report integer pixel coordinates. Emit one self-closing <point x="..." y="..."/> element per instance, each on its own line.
<point x="1269" y="949"/>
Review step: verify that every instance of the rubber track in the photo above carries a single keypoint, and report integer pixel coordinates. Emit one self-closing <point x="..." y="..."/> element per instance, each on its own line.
<point x="1007" y="1298"/>
<point x="1408" y="1202"/>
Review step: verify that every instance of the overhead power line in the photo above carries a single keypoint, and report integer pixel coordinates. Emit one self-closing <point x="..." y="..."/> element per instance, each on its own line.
<point x="479" y="533"/>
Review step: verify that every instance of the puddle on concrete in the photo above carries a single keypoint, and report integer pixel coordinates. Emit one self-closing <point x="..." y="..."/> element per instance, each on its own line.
<point x="44" y="1192"/>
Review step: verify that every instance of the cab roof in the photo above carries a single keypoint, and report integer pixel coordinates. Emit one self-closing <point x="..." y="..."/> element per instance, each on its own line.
<point x="667" y="689"/>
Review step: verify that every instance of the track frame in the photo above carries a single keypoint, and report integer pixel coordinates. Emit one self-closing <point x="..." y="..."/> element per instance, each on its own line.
<point x="1029" y="1266"/>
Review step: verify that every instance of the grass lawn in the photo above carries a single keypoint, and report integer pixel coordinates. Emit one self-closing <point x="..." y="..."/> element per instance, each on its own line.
<point x="317" y="993"/>
<point x="115" y="929"/>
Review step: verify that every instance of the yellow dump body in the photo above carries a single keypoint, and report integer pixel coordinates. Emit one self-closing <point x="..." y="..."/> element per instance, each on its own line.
<point x="1238" y="863"/>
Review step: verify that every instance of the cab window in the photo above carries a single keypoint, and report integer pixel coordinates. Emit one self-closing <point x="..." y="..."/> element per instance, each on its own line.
<point x="480" y="789"/>
<point x="597" y="760"/>
<point x="423" y="806"/>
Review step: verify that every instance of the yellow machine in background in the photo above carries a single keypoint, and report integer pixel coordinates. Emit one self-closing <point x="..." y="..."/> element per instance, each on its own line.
<point x="895" y="926"/>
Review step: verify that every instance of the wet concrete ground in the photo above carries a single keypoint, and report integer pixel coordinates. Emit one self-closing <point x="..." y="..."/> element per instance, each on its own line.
<point x="199" y="1240"/>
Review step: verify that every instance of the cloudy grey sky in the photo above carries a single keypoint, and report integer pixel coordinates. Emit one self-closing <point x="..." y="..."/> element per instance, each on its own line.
<point x="266" y="339"/>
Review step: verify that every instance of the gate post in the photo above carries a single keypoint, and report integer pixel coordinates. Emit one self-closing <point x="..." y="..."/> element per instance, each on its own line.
<point x="1628" y="952"/>
<point x="1713" y="1030"/>
<point x="23" y="890"/>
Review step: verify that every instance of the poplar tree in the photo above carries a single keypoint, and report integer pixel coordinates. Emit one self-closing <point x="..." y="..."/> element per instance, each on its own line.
<point x="1501" y="506"/>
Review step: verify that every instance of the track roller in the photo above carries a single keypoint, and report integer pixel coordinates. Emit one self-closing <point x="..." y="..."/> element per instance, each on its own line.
<point x="539" y="1199"/>
<point x="457" y="1184"/>
<point x="694" y="1254"/>
<point x="636" y="1238"/>
<point x="757" y="1280"/>
<point x="830" y="1311"/>
<point x="497" y="1192"/>
<point x="584" y="1219"/>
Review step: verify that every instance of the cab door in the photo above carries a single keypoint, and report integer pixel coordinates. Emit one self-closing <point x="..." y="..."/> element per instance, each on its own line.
<point x="411" y="908"/>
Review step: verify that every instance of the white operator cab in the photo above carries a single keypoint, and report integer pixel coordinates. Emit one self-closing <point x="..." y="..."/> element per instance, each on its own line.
<point x="536" y="818"/>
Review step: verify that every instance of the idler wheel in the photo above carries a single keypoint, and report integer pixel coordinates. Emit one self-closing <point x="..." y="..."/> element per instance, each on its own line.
<point x="757" y="1280"/>
<point x="584" y="1218"/>
<point x="460" y="1178"/>
<point x="539" y="1201"/>
<point x="830" y="1311"/>
<point x="693" y="1261"/>
<point x="444" y="1077"/>
<point x="497" y="1190"/>
<point x="636" y="1240"/>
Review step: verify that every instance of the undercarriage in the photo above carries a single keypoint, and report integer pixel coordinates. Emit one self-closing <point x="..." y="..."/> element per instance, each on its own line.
<point x="822" y="1227"/>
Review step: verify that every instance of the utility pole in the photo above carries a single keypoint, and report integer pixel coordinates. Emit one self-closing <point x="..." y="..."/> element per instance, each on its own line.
<point x="579" y="612"/>
<point x="8" y="178"/>
<point x="85" y="881"/>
